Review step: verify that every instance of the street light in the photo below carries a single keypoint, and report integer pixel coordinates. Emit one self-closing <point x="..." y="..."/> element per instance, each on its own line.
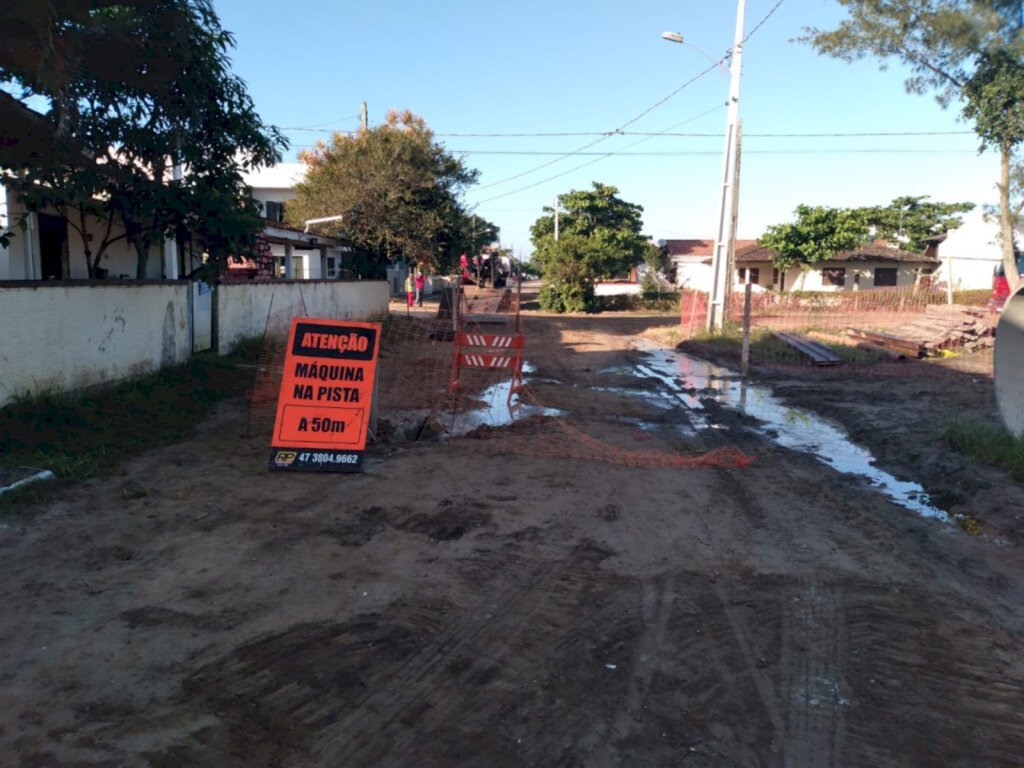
<point x="676" y="37"/>
<point x="728" y="204"/>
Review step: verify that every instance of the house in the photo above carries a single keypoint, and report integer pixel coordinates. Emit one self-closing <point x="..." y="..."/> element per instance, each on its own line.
<point x="692" y="261"/>
<point x="870" y="265"/>
<point x="969" y="254"/>
<point x="296" y="255"/>
<point x="43" y="246"/>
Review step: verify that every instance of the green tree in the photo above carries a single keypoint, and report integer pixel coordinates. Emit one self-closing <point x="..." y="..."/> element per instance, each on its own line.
<point x="134" y="89"/>
<point x="818" y="234"/>
<point x="597" y="229"/>
<point x="911" y="222"/>
<point x="968" y="51"/>
<point x="399" y="191"/>
<point x="570" y="266"/>
<point x="463" y="233"/>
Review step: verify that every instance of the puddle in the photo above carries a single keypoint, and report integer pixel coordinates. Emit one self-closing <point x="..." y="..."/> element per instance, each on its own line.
<point x="691" y="380"/>
<point x="496" y="411"/>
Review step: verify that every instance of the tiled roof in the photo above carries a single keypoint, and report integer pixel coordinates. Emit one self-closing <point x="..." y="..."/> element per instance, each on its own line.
<point x="750" y="254"/>
<point x="697" y="248"/>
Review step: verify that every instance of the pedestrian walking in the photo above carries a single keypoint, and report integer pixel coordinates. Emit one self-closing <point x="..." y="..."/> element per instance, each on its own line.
<point x="419" y="281"/>
<point x="410" y="290"/>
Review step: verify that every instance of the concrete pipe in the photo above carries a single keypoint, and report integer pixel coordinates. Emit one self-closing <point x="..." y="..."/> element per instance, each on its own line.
<point x="1009" y="364"/>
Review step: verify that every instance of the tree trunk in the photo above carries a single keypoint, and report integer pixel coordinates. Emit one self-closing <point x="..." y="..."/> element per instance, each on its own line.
<point x="1006" y="220"/>
<point x="90" y="265"/>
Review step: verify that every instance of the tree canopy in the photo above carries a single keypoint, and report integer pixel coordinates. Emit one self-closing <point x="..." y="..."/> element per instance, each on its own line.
<point x="818" y="234"/>
<point x="910" y="222"/>
<point x="599" y="236"/>
<point x="399" y="191"/>
<point x="966" y="51"/>
<point x="133" y="88"/>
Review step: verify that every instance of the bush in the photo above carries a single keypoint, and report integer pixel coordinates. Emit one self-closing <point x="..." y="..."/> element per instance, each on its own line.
<point x="668" y="303"/>
<point x="568" y="297"/>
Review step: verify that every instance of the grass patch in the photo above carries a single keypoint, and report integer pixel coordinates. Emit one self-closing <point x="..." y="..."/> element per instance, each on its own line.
<point x="988" y="444"/>
<point x="89" y="433"/>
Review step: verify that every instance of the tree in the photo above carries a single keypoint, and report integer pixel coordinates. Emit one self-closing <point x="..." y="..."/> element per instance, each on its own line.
<point x="970" y="51"/>
<point x="463" y="233"/>
<point x="911" y="222"/>
<point x="599" y="231"/>
<point x="133" y="89"/>
<point x="399" y="191"/>
<point x="818" y="234"/>
<point x="571" y="265"/>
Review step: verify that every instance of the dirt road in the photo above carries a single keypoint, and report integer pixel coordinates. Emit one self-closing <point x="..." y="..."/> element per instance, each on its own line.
<point x="450" y="607"/>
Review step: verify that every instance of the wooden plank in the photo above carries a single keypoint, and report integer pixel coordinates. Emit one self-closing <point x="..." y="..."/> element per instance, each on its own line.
<point x="821" y="355"/>
<point x="906" y="346"/>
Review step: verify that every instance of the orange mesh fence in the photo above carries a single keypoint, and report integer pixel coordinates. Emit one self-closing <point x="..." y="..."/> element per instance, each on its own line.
<point x="425" y="393"/>
<point x="865" y="327"/>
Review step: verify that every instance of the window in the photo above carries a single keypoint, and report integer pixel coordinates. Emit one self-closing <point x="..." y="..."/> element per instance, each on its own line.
<point x="775" y="275"/>
<point x="332" y="267"/>
<point x="274" y="211"/>
<point x="885" y="276"/>
<point x="834" y="276"/>
<point x="742" y="275"/>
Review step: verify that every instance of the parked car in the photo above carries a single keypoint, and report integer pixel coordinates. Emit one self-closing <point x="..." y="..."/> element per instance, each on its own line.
<point x="1001" y="286"/>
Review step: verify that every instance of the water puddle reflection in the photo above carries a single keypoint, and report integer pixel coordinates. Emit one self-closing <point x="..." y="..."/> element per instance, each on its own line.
<point x="498" y="409"/>
<point x="690" y="381"/>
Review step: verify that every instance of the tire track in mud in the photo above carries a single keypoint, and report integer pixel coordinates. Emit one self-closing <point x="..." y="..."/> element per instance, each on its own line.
<point x="506" y="627"/>
<point x="812" y="656"/>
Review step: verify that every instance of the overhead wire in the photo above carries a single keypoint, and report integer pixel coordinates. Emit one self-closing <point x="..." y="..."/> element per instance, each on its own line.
<point x="644" y="113"/>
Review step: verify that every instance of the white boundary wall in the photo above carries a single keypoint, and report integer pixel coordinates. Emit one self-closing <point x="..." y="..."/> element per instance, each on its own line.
<point x="241" y="309"/>
<point x="68" y="335"/>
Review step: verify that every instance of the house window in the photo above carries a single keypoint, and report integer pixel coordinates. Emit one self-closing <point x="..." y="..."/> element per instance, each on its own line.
<point x="274" y="211"/>
<point x="885" y="276"/>
<point x="775" y="275"/>
<point x="834" y="276"/>
<point x="742" y="275"/>
<point x="332" y="267"/>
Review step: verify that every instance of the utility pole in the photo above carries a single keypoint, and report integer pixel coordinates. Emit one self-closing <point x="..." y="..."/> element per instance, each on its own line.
<point x="365" y="120"/>
<point x="720" y="279"/>
<point x="556" y="218"/>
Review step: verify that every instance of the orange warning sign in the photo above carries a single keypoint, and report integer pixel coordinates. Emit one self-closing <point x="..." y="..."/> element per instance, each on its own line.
<point x="323" y="409"/>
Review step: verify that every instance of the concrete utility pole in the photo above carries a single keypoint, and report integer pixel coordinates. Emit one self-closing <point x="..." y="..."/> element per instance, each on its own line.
<point x="364" y="118"/>
<point x="556" y="219"/>
<point x="726" y="236"/>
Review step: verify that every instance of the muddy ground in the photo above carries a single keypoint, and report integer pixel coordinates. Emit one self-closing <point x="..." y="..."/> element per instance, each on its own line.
<point x="453" y="607"/>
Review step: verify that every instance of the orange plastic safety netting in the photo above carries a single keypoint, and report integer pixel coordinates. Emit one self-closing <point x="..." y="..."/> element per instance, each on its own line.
<point x="468" y="377"/>
<point x="873" y="327"/>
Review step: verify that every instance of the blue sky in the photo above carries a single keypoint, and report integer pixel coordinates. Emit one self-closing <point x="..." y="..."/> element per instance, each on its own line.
<point x="540" y="67"/>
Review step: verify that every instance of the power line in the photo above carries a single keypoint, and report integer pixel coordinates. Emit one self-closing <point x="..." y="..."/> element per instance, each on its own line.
<point x="596" y="160"/>
<point x="836" y="134"/>
<point x="684" y="153"/>
<point x="319" y="126"/>
<point x="647" y="111"/>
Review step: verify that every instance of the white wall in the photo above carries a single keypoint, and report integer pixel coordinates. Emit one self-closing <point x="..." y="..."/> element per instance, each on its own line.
<point x="5" y="258"/>
<point x="974" y="250"/>
<point x="61" y="336"/>
<point x="119" y="259"/>
<point x="242" y="308"/>
<point x="812" y="279"/>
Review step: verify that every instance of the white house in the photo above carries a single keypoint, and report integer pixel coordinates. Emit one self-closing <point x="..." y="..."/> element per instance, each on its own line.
<point x="872" y="265"/>
<point x="297" y="255"/>
<point x="968" y="255"/>
<point x="44" y="247"/>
